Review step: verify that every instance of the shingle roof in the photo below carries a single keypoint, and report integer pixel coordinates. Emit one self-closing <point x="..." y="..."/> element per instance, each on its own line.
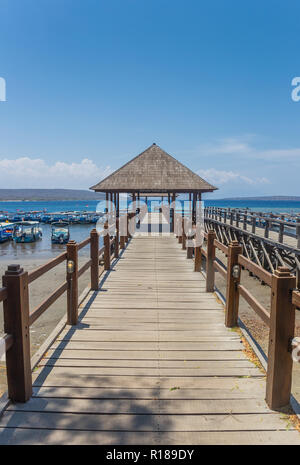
<point x="154" y="170"/>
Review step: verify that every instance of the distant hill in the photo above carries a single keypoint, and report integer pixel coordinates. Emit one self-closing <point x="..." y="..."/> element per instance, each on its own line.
<point x="289" y="198"/>
<point x="49" y="194"/>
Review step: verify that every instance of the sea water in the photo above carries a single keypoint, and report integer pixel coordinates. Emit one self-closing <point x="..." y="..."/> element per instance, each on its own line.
<point x="45" y="249"/>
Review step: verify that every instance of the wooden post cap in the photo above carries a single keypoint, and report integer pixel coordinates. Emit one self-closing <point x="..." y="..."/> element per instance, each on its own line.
<point x="282" y="271"/>
<point x="13" y="270"/>
<point x="235" y="244"/>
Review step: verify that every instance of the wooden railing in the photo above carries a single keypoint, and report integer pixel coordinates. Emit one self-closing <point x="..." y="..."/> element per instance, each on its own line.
<point x="284" y="299"/>
<point x="15" y="297"/>
<point x="267" y="222"/>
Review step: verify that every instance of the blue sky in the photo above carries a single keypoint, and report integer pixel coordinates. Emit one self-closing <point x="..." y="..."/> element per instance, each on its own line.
<point x="91" y="83"/>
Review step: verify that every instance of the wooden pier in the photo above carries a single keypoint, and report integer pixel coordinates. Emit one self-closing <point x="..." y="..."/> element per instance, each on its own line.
<point x="149" y="362"/>
<point x="150" y="355"/>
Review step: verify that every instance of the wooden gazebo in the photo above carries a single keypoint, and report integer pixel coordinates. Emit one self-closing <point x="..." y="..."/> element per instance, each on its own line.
<point x="150" y="173"/>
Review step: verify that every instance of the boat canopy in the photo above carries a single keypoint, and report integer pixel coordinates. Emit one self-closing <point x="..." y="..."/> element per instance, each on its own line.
<point x="60" y="224"/>
<point x="27" y="223"/>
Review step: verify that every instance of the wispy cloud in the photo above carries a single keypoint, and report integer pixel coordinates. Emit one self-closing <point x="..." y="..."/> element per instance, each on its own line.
<point x="220" y="177"/>
<point x="37" y="173"/>
<point x="244" y="146"/>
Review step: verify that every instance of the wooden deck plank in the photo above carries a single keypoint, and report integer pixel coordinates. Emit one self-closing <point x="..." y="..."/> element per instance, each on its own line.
<point x="144" y="363"/>
<point x="141" y="406"/>
<point x="116" y="345"/>
<point x="144" y="393"/>
<point x="244" y="384"/>
<point x="144" y="422"/>
<point x="170" y="356"/>
<point x="150" y="372"/>
<point x="25" y="436"/>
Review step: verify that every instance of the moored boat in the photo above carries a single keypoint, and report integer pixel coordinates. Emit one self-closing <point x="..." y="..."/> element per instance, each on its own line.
<point x="6" y="231"/>
<point x="27" y="231"/>
<point x="60" y="232"/>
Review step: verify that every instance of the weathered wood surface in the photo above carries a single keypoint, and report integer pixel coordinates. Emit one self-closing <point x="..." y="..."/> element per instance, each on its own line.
<point x="149" y="362"/>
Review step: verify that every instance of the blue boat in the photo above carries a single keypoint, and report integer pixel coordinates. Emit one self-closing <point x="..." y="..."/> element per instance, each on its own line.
<point x="27" y="231"/>
<point x="6" y="231"/>
<point x="17" y="218"/>
<point x="60" y="232"/>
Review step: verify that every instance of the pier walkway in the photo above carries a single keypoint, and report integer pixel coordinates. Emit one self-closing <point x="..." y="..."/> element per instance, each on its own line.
<point x="150" y="362"/>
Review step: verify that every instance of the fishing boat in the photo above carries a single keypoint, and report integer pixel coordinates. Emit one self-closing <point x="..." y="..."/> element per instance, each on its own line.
<point x="27" y="231"/>
<point x="60" y="232"/>
<point x="6" y="231"/>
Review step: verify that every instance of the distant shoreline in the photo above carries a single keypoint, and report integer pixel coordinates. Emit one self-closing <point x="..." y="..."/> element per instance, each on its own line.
<point x="51" y="200"/>
<point x="51" y="195"/>
<point x="262" y="199"/>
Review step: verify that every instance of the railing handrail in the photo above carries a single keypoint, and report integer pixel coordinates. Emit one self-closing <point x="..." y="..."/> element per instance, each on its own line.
<point x="256" y="215"/>
<point x="41" y="270"/>
<point x="255" y="236"/>
<point x="257" y="270"/>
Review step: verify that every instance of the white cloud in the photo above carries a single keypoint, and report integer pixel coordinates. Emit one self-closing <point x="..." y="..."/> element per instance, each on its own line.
<point x="228" y="146"/>
<point x="278" y="154"/>
<point x="240" y="146"/>
<point x="28" y="172"/>
<point x="220" y="177"/>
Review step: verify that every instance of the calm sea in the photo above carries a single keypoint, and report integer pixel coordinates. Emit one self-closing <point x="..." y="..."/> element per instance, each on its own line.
<point x="58" y="206"/>
<point x="44" y="248"/>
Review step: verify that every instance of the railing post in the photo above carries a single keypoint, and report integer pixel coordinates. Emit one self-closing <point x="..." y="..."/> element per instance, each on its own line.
<point x="282" y="325"/>
<point x="179" y="229"/>
<point x="122" y="228"/>
<point x="211" y="253"/>
<point x="94" y="250"/>
<point x="198" y="259"/>
<point x="233" y="279"/>
<point x="127" y="227"/>
<point x="190" y="244"/>
<point x="280" y="233"/>
<point x="106" y="241"/>
<point x="267" y="226"/>
<point x="16" y="323"/>
<point x="72" y="280"/>
<point x="298" y="235"/>
<point x="183" y="240"/>
<point x="117" y="238"/>
<point x="175" y="224"/>
<point x="253" y="224"/>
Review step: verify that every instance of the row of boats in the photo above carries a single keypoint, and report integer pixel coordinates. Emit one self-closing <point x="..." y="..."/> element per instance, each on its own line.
<point x="30" y="231"/>
<point x="73" y="217"/>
